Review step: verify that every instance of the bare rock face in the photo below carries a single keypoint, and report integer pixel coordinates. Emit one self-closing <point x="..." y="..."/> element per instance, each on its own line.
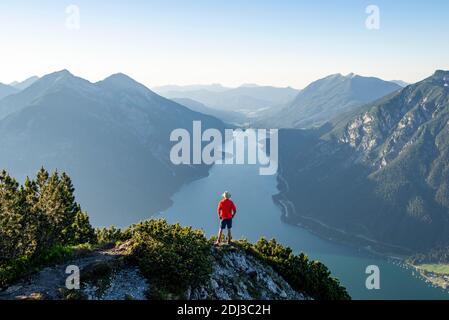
<point x="240" y="276"/>
<point x="126" y="283"/>
<point x="389" y="128"/>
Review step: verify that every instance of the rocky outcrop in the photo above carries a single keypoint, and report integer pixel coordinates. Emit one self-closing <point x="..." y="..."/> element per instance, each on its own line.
<point x="239" y="276"/>
<point x="108" y="275"/>
<point x="104" y="275"/>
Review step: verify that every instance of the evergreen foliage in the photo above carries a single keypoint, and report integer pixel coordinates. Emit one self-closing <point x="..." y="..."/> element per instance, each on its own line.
<point x="171" y="256"/>
<point x="38" y="218"/>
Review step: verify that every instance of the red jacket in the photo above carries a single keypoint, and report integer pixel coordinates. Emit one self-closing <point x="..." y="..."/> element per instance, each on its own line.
<point x="226" y="209"/>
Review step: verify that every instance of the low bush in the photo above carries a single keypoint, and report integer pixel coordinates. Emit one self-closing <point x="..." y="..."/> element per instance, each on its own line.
<point x="171" y="256"/>
<point x="111" y="235"/>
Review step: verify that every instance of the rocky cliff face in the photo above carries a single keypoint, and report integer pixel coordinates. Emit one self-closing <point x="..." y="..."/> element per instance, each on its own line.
<point x="107" y="275"/>
<point x="392" y="126"/>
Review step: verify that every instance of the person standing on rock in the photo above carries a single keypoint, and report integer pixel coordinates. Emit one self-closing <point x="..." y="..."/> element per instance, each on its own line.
<point x="226" y="212"/>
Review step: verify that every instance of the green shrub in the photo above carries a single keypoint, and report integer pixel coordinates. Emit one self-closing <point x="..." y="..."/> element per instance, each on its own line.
<point x="171" y="256"/>
<point x="110" y="235"/>
<point x="310" y="277"/>
<point x="82" y="229"/>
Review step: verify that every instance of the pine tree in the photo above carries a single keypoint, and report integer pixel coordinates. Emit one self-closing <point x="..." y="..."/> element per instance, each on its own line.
<point x="36" y="220"/>
<point x="70" y="207"/>
<point x="42" y="178"/>
<point x="39" y="215"/>
<point x="11" y="218"/>
<point x="82" y="230"/>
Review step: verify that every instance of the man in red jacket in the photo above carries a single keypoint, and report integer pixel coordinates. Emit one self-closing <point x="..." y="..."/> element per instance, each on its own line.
<point x="226" y="212"/>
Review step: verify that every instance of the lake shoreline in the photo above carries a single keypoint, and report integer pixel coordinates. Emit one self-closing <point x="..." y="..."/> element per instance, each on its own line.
<point x="342" y="237"/>
<point x="440" y="280"/>
<point x="260" y="216"/>
<point x="327" y="232"/>
<point x="336" y="235"/>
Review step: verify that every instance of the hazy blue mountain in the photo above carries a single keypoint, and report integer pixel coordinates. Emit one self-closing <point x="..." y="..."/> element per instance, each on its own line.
<point x="249" y="85"/>
<point x="6" y="90"/>
<point x="112" y="137"/>
<point x="216" y="87"/>
<point x="325" y="99"/>
<point x="245" y="99"/>
<point x="226" y="116"/>
<point x="24" y="84"/>
<point x="400" y="83"/>
<point x="381" y="174"/>
<point x="43" y="87"/>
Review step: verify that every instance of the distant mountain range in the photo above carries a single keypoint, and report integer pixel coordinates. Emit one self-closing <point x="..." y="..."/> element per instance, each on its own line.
<point x="400" y="83"/>
<point x="24" y="84"/>
<point x="163" y="90"/>
<point x="380" y="174"/>
<point x="7" y="90"/>
<point x="227" y="116"/>
<point x="325" y="99"/>
<point x="373" y="164"/>
<point x="111" y="136"/>
<point x="246" y="99"/>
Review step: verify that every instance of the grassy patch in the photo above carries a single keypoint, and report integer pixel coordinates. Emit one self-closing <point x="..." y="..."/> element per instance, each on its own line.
<point x="438" y="268"/>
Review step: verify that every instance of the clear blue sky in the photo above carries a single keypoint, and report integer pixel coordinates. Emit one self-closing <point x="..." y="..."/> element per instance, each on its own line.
<point x="283" y="43"/>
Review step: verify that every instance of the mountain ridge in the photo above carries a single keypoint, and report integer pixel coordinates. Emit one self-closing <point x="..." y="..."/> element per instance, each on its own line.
<point x="325" y="99"/>
<point x="380" y="173"/>
<point x="244" y="99"/>
<point x="118" y="129"/>
<point x="21" y="85"/>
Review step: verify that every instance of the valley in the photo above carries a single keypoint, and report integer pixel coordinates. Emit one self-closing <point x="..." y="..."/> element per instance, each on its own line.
<point x="326" y="123"/>
<point x="359" y="181"/>
<point x="258" y="215"/>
